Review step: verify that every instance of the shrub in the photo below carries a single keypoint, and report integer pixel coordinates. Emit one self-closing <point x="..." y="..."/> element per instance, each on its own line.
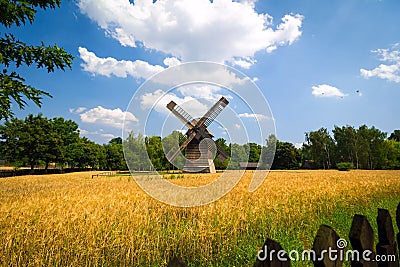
<point x="345" y="166"/>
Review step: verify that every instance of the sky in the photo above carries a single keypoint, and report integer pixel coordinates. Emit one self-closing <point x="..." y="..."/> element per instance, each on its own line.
<point x="317" y="63"/>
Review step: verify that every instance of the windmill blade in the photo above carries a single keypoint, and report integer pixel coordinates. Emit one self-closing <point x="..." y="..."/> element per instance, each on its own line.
<point x="181" y="114"/>
<point x="214" y="111"/>
<point x="222" y="156"/>
<point x="172" y="155"/>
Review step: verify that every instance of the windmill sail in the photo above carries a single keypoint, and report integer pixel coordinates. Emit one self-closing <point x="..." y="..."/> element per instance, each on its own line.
<point x="199" y="158"/>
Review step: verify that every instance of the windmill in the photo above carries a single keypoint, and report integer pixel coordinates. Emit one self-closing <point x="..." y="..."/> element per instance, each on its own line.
<point x="200" y="148"/>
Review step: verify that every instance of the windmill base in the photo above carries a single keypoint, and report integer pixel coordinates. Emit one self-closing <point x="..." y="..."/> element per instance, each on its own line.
<point x="206" y="167"/>
<point x="198" y="158"/>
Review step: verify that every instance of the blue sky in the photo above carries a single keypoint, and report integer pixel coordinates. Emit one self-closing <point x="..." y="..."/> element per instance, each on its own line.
<point x="318" y="63"/>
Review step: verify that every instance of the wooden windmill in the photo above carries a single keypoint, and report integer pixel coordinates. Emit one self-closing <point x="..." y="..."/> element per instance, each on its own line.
<point x="199" y="155"/>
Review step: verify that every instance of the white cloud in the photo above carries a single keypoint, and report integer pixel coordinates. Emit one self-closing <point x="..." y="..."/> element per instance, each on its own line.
<point x="100" y="133"/>
<point x="253" y="116"/>
<point x="110" y="117"/>
<point x="171" y="61"/>
<point x="202" y="91"/>
<point x="159" y="100"/>
<point x="77" y="110"/>
<point x="298" y="145"/>
<point x="244" y="63"/>
<point x="221" y="30"/>
<point x="218" y="74"/>
<point x="391" y="71"/>
<point x="98" y="136"/>
<point x="324" y="90"/>
<point x="120" y="68"/>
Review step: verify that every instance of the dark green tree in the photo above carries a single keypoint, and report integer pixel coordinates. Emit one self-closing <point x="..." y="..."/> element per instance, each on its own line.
<point x="222" y="165"/>
<point x="347" y="144"/>
<point x="26" y="140"/>
<point x="391" y="157"/>
<point x="38" y="139"/>
<point x="254" y="151"/>
<point x="287" y="156"/>
<point x="371" y="141"/>
<point x="15" y="53"/>
<point x="395" y="135"/>
<point x="115" y="155"/>
<point x="86" y="154"/>
<point x="116" y="140"/>
<point x="156" y="153"/>
<point x="60" y="135"/>
<point x="321" y="147"/>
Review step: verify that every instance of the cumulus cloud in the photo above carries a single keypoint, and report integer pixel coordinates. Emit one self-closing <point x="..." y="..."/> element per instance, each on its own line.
<point x="324" y="90"/>
<point x="253" y="116"/>
<point x="110" y="117"/>
<point x="77" y="110"/>
<point x="244" y="63"/>
<point x="119" y="68"/>
<point x="99" y="133"/>
<point x="171" y="61"/>
<point x="221" y="30"/>
<point x="159" y="100"/>
<point x="202" y="91"/>
<point x="389" y="71"/>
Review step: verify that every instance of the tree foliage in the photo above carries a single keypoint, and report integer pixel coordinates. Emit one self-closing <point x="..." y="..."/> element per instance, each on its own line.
<point x="287" y="156"/>
<point x="37" y="139"/>
<point x="364" y="147"/>
<point x="15" y="53"/>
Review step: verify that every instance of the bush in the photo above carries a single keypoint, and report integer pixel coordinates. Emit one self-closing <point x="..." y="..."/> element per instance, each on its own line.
<point x="344" y="166"/>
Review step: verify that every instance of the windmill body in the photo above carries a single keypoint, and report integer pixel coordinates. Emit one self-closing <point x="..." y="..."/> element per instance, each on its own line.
<point x="199" y="147"/>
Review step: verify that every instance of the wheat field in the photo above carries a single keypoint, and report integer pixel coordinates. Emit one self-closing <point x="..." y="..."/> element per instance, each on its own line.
<point x="73" y="220"/>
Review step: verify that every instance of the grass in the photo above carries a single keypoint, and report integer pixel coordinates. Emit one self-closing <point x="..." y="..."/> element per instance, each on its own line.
<point x="73" y="220"/>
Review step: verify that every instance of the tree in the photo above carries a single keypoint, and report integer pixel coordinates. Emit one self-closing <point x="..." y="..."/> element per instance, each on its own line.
<point x="268" y="152"/>
<point x="254" y="151"/>
<point x="238" y="154"/>
<point x="38" y="139"/>
<point x="395" y="135"/>
<point x="392" y="154"/>
<point x="116" y="140"/>
<point x="135" y="152"/>
<point x="222" y="165"/>
<point x="347" y="144"/>
<point x="156" y="153"/>
<point x="172" y="142"/>
<point x="115" y="155"/>
<point x="371" y="146"/>
<point x="321" y="147"/>
<point x="287" y="156"/>
<point x="61" y="133"/>
<point x="15" y="53"/>
<point x="86" y="153"/>
<point x="26" y="141"/>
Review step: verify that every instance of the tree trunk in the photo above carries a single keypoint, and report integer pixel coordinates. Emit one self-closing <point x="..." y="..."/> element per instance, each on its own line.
<point x="46" y="166"/>
<point x="32" y="167"/>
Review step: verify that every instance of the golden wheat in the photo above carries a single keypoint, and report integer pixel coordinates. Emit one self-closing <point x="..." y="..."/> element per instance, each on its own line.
<point x="73" y="220"/>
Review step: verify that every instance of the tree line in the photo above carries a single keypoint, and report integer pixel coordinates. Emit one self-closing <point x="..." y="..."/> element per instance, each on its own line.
<point x="364" y="147"/>
<point x="37" y="140"/>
